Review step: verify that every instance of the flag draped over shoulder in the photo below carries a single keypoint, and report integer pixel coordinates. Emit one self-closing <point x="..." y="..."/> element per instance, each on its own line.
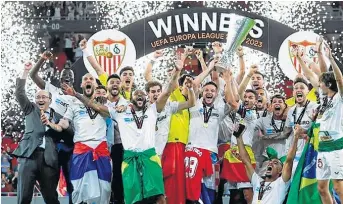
<point x="304" y="185"/>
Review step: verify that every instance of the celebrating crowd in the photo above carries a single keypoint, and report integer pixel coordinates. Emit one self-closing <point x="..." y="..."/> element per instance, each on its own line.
<point x="172" y="143"/>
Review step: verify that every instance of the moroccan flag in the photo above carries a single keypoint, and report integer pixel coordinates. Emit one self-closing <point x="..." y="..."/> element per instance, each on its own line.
<point x="233" y="168"/>
<point x="304" y="184"/>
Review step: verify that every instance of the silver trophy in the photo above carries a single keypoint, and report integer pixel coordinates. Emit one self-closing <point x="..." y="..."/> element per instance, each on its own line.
<point x="239" y="28"/>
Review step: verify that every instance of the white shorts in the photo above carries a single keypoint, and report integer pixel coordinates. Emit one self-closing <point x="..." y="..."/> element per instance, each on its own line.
<point x="240" y="185"/>
<point x="330" y="165"/>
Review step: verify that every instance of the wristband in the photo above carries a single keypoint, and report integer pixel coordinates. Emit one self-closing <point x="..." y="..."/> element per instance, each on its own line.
<point x="86" y="53"/>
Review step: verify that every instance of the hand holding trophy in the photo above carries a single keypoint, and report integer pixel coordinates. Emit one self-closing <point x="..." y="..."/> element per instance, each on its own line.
<point x="239" y="28"/>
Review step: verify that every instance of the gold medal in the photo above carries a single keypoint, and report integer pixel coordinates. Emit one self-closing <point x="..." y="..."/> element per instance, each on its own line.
<point x="205" y="125"/>
<point x="320" y="116"/>
<point x="156" y="128"/>
<point x="259" y="202"/>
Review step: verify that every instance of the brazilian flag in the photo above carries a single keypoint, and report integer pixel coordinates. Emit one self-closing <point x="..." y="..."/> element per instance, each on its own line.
<point x="304" y="184"/>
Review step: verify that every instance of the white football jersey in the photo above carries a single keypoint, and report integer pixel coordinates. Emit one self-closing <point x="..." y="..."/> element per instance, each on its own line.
<point x="132" y="137"/>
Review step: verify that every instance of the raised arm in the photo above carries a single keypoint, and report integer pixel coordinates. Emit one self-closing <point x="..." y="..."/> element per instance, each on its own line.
<point x="96" y="66"/>
<point x="101" y="109"/>
<point x="191" y="96"/>
<point x="24" y="103"/>
<point x="244" y="84"/>
<point x="148" y="69"/>
<point x="199" y="55"/>
<point x="162" y="99"/>
<point x="229" y="93"/>
<point x="34" y="72"/>
<point x="288" y="165"/>
<point x="244" y="156"/>
<point x="338" y="74"/>
<point x="241" y="73"/>
<point x="322" y="64"/>
<point x="197" y="81"/>
<point x="312" y="77"/>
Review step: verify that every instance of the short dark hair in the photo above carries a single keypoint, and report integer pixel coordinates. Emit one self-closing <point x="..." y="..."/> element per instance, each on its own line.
<point x="152" y="84"/>
<point x="101" y="87"/>
<point x="113" y="76"/>
<point x="300" y="80"/>
<point x="328" y="78"/>
<point x="210" y="83"/>
<point x="278" y="96"/>
<point x="183" y="78"/>
<point x="127" y="68"/>
<point x="259" y="73"/>
<point x="252" y="91"/>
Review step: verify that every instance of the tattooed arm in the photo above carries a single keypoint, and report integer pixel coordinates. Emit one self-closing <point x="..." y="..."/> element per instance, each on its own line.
<point x="102" y="109"/>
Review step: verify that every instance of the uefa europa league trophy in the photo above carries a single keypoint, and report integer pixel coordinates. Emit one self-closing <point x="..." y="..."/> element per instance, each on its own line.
<point x="239" y="28"/>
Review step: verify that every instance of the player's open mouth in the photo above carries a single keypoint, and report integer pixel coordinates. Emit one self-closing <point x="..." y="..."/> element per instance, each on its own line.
<point x="115" y="88"/>
<point x="127" y="82"/>
<point x="260" y="100"/>
<point x="41" y="104"/>
<point x="299" y="95"/>
<point x="277" y="107"/>
<point x="255" y="84"/>
<point x="88" y="86"/>
<point x="246" y="103"/>
<point x="269" y="169"/>
<point x="209" y="96"/>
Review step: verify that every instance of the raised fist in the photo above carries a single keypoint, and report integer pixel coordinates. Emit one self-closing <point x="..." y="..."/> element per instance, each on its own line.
<point x="47" y="55"/>
<point x="239" y="51"/>
<point x="253" y="69"/>
<point x="198" y="54"/>
<point x="28" y="66"/>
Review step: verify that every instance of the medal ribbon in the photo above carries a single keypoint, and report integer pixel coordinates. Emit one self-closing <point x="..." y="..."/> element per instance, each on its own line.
<point x="262" y="190"/>
<point x="301" y="114"/>
<point x="207" y="114"/>
<point x="139" y="121"/>
<point x="91" y="114"/>
<point x="325" y="106"/>
<point x="281" y="126"/>
<point x="264" y="114"/>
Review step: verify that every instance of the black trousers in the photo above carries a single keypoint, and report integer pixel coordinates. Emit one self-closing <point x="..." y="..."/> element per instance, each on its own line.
<point x="32" y="169"/>
<point x="64" y="162"/>
<point x="117" y="152"/>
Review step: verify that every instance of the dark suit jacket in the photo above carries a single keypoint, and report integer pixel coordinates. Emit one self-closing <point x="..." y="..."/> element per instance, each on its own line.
<point x="35" y="130"/>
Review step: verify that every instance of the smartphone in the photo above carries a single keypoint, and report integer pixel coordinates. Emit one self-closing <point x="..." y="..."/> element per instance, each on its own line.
<point x="239" y="131"/>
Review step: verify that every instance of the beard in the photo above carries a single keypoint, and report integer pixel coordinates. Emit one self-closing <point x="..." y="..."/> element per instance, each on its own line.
<point x="114" y="93"/>
<point x="86" y="90"/>
<point x="139" y="107"/>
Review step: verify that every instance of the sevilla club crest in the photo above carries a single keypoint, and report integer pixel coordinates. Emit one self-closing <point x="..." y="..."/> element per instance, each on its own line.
<point x="305" y="47"/>
<point x="109" y="54"/>
<point x="305" y="42"/>
<point x="112" y="50"/>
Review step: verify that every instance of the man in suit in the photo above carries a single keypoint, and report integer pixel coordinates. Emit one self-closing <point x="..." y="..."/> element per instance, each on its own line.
<point x="37" y="152"/>
<point x="60" y="103"/>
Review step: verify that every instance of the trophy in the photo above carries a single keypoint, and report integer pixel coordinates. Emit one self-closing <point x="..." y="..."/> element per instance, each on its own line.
<point x="239" y="28"/>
